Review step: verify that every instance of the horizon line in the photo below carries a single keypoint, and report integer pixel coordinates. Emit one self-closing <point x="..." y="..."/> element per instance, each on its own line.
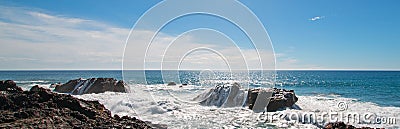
<point x="199" y="69"/>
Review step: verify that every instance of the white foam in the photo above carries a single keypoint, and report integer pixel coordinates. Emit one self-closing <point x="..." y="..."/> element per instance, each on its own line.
<point x="154" y="103"/>
<point x="33" y="81"/>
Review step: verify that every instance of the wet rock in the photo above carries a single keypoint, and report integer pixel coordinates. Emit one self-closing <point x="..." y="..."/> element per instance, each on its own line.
<point x="171" y="84"/>
<point x="92" y="85"/>
<point x="280" y="99"/>
<point x="227" y="95"/>
<point x="41" y="108"/>
<point x="9" y="86"/>
<point x="224" y="95"/>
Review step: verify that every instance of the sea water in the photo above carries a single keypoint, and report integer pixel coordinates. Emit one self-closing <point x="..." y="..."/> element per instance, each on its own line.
<point x="364" y="93"/>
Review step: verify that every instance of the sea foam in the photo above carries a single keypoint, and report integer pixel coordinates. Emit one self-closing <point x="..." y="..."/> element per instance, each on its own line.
<point x="170" y="105"/>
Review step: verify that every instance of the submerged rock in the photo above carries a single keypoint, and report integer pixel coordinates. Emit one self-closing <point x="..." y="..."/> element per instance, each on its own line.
<point x="92" y="85"/>
<point x="40" y="108"/>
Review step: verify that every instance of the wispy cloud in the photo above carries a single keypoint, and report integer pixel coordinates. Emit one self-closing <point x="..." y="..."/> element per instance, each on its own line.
<point x="32" y="39"/>
<point x="316" y="18"/>
<point x="48" y="41"/>
<point x="288" y="60"/>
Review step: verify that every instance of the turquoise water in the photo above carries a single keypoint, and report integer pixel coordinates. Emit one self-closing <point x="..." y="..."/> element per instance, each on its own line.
<point x="380" y="87"/>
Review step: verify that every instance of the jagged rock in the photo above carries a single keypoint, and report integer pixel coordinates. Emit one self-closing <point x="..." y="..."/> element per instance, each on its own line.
<point x="232" y="95"/>
<point x="40" y="108"/>
<point x="9" y="86"/>
<point x="92" y="85"/>
<point x="223" y="95"/>
<point x="281" y="98"/>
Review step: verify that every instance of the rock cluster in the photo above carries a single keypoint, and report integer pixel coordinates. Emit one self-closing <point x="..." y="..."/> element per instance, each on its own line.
<point x="92" y="85"/>
<point x="281" y="98"/>
<point x="40" y="108"/>
<point x="231" y="95"/>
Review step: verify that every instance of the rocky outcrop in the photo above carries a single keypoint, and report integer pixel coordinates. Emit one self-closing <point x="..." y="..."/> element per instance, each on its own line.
<point x="226" y="95"/>
<point x="223" y="95"/>
<point x="9" y="86"/>
<point x="40" y="108"/>
<point x="92" y="85"/>
<point x="280" y="99"/>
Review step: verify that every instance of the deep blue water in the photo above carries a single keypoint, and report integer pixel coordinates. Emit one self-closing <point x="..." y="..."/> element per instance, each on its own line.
<point x="380" y="87"/>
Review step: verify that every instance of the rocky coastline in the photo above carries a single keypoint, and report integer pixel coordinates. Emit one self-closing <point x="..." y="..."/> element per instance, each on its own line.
<point x="41" y="108"/>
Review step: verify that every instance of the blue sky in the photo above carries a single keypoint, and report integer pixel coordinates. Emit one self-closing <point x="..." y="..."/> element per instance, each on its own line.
<point x="340" y="34"/>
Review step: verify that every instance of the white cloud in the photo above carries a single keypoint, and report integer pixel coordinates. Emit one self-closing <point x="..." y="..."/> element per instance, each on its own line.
<point x="57" y="42"/>
<point x="214" y="53"/>
<point x="36" y="40"/>
<point x="316" y="18"/>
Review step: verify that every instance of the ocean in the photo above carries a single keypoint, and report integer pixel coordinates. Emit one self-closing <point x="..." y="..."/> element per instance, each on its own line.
<point x="363" y="92"/>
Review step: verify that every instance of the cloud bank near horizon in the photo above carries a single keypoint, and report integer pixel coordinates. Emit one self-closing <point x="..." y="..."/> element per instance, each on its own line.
<point x="32" y="39"/>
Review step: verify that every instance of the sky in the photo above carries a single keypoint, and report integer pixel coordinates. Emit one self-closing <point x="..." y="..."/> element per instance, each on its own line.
<point x="314" y="34"/>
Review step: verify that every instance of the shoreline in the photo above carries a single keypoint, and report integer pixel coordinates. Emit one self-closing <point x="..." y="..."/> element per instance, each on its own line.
<point x="328" y="101"/>
<point x="42" y="108"/>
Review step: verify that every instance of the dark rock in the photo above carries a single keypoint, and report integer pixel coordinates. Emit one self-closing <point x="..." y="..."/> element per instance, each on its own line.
<point x="280" y="99"/>
<point x="171" y="84"/>
<point x="231" y="95"/>
<point x="342" y="125"/>
<point x="9" y="86"/>
<point x="92" y="85"/>
<point x="41" y="108"/>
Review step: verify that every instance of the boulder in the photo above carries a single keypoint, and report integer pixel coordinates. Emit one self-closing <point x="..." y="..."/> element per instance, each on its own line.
<point x="280" y="99"/>
<point x="41" y="108"/>
<point x="232" y="95"/>
<point x="9" y="86"/>
<point x="92" y="85"/>
<point x="223" y="95"/>
<point x="171" y="84"/>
